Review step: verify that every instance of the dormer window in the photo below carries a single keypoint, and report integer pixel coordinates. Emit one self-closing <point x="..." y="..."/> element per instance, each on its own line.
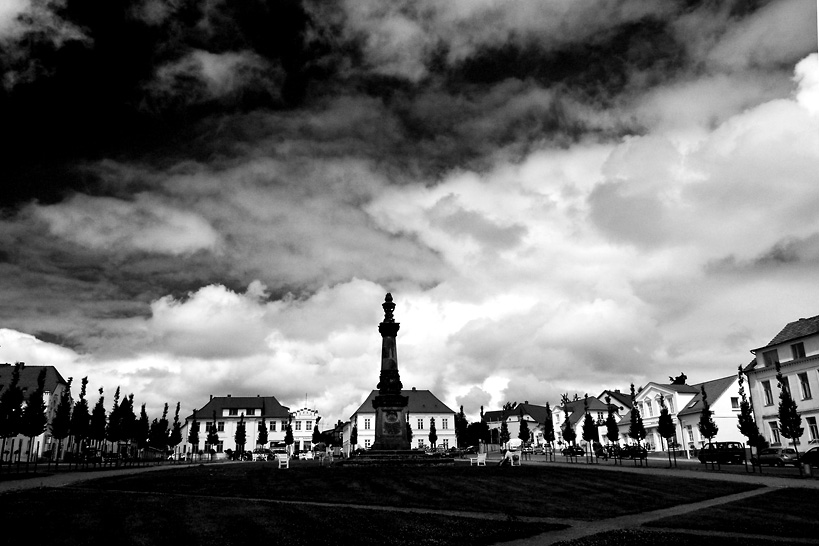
<point x="771" y="358"/>
<point x="798" y="350"/>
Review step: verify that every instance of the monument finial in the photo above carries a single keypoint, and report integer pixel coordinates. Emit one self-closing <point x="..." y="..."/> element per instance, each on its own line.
<point x="389" y="307"/>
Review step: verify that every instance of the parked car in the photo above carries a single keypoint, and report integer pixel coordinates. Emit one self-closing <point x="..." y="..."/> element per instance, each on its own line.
<point x="722" y="453"/>
<point x="261" y="454"/>
<point x="470" y="450"/>
<point x="777" y="456"/>
<point x="573" y="451"/>
<point x="633" y="452"/>
<point x="810" y="457"/>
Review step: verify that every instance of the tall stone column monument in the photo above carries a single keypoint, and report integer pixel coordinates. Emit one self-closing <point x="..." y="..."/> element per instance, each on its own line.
<point x="390" y="406"/>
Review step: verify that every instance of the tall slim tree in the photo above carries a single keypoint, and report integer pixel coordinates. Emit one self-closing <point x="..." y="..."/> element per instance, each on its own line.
<point x="549" y="427"/>
<point x="34" y="419"/>
<point x="612" y="431"/>
<point x="590" y="431"/>
<point x="261" y="436"/>
<point x="128" y="420"/>
<point x="11" y="407"/>
<point x="158" y="436"/>
<point x="80" y="418"/>
<point x="433" y="434"/>
<point x="142" y="430"/>
<point x="113" y="430"/>
<point x="790" y="422"/>
<point x="98" y="422"/>
<point x="240" y="436"/>
<point x="569" y="434"/>
<point x="460" y="427"/>
<point x="61" y="423"/>
<point x="666" y="428"/>
<point x="316" y="433"/>
<point x="504" y="433"/>
<point x="175" y="437"/>
<point x="524" y="434"/>
<point x="746" y="425"/>
<point x="213" y="436"/>
<point x="636" y="430"/>
<point x="708" y="428"/>
<point x="288" y="436"/>
<point x="193" y="435"/>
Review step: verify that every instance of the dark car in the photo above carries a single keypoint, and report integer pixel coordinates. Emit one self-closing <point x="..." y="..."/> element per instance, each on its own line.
<point x="573" y="451"/>
<point x="777" y="456"/>
<point x="810" y="457"/>
<point x="722" y="453"/>
<point x="633" y="452"/>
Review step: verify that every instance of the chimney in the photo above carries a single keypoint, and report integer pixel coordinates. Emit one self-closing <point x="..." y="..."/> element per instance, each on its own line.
<point x="525" y="401"/>
<point x="211" y="397"/>
<point x="413" y="388"/>
<point x="228" y="396"/>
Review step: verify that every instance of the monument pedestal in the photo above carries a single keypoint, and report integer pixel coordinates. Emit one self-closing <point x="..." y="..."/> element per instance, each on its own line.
<point x="391" y="422"/>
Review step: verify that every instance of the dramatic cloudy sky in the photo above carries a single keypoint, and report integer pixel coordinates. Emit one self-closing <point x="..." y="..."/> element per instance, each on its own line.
<point x="210" y="197"/>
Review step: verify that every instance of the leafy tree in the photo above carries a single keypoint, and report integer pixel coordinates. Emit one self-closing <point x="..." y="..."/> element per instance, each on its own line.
<point x="11" y="407"/>
<point x="790" y="422"/>
<point x="34" y="418"/>
<point x="316" y="434"/>
<point x="612" y="430"/>
<point x="175" y="437"/>
<point x="80" y="419"/>
<point x="113" y="432"/>
<point x="213" y="436"/>
<point x="288" y="435"/>
<point x="353" y="436"/>
<point x="747" y="426"/>
<point x="97" y="426"/>
<point x="569" y="434"/>
<point x="590" y="432"/>
<point x="666" y="428"/>
<point x="504" y="433"/>
<point x="524" y="434"/>
<point x="433" y="434"/>
<point x="636" y="430"/>
<point x="61" y="423"/>
<point x="158" y="436"/>
<point x="142" y="430"/>
<point x="240" y="437"/>
<point x="485" y="433"/>
<point x="549" y="426"/>
<point x="708" y="428"/>
<point x="128" y="419"/>
<point x="460" y="428"/>
<point x="193" y="434"/>
<point x="261" y="437"/>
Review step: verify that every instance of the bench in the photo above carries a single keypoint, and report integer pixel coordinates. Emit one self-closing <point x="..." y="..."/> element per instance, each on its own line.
<point x="480" y="460"/>
<point x="284" y="460"/>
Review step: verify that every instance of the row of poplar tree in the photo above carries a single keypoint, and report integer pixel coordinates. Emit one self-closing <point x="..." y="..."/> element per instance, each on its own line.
<point x="77" y="422"/>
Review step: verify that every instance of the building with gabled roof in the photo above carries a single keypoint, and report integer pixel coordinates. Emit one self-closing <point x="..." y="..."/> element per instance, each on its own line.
<point x="422" y="406"/>
<point x="576" y="410"/>
<point x="534" y="415"/>
<point x="227" y="411"/>
<point x="796" y="349"/>
<point x="52" y="391"/>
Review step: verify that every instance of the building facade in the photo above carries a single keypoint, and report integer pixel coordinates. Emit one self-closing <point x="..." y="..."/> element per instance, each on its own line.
<point x="796" y="349"/>
<point x="423" y="407"/>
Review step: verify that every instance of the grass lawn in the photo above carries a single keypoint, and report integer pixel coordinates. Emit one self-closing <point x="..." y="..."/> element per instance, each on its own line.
<point x="87" y="517"/>
<point x="781" y="512"/>
<point x="538" y="491"/>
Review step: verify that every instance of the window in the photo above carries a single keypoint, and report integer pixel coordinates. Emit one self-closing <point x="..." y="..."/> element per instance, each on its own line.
<point x="735" y="402"/>
<point x="798" y="350"/>
<point x="690" y="430"/>
<point x="813" y="429"/>
<point x="284" y="425"/>
<point x="272" y="426"/>
<point x="308" y="425"/>
<point x="445" y="443"/>
<point x="298" y="425"/>
<point x="366" y="424"/>
<point x="367" y="444"/>
<point x="207" y="426"/>
<point x="220" y="446"/>
<point x="649" y="409"/>
<point x="251" y="412"/>
<point x="420" y="424"/>
<point x="220" y="426"/>
<point x="770" y="357"/>
<point x="670" y="401"/>
<point x="444" y="424"/>
<point x="766" y="390"/>
<point x="420" y="443"/>
<point x="233" y="411"/>
<point x="775" y="440"/>
<point x="599" y="415"/>
<point x="804" y="386"/>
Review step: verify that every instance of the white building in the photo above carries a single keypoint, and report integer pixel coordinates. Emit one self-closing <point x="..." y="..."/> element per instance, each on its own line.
<point x="226" y="412"/>
<point x="535" y="416"/>
<point x="303" y="422"/>
<point x="796" y="348"/>
<point x="423" y="406"/>
<point x="52" y="391"/>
